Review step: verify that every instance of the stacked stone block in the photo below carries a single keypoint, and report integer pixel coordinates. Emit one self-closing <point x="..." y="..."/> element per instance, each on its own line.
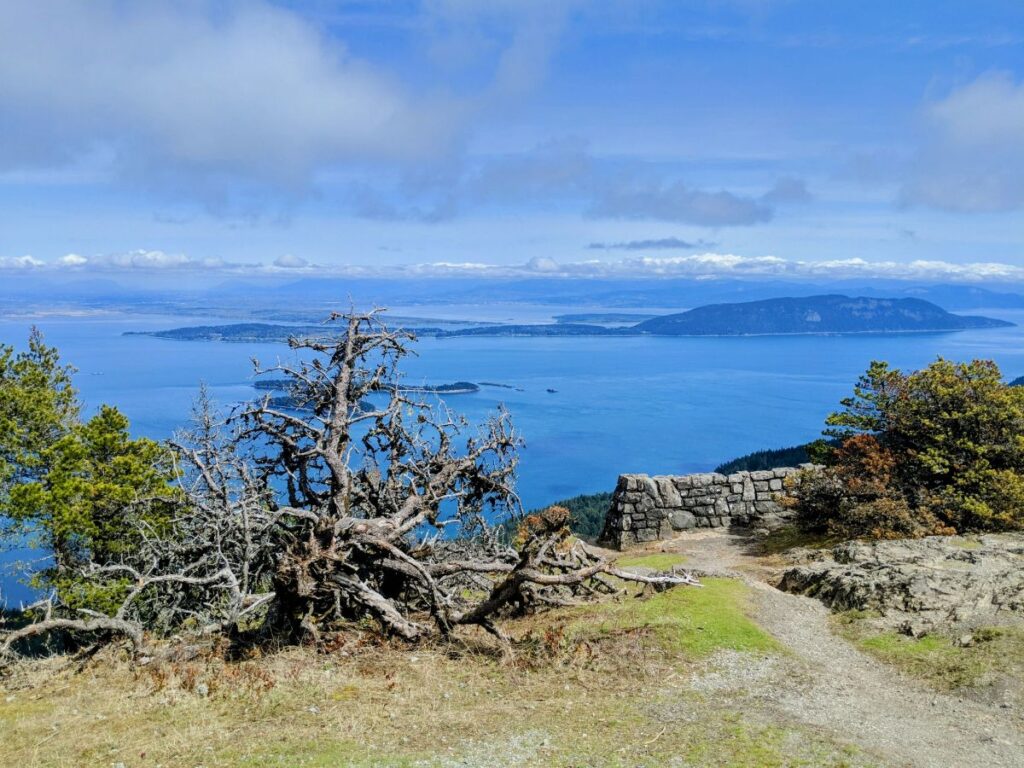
<point x="647" y="508"/>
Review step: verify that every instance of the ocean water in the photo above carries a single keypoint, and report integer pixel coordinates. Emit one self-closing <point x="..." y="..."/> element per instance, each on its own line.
<point x="621" y="404"/>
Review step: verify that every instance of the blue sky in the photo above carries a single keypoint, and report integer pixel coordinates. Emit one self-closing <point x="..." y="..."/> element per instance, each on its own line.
<point x="756" y="137"/>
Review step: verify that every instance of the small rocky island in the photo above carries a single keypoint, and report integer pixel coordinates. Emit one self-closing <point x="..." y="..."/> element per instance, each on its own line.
<point x="455" y="388"/>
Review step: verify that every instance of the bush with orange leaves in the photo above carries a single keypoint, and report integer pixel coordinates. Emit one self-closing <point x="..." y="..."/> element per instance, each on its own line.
<point x="933" y="452"/>
<point x="857" y="496"/>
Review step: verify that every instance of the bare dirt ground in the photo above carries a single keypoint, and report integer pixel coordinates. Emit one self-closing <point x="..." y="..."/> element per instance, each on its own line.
<point x="827" y="683"/>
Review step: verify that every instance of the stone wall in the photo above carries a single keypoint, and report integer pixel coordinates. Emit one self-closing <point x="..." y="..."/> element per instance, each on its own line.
<point x="651" y="508"/>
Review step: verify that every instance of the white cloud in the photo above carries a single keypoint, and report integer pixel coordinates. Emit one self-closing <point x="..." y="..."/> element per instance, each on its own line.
<point x="143" y="259"/>
<point x="972" y="159"/>
<point x="289" y="261"/>
<point x="439" y="268"/>
<point x="542" y="264"/>
<point x="722" y="265"/>
<point x="20" y="262"/>
<point x="241" y="104"/>
<point x="139" y="259"/>
<point x="198" y="93"/>
<point x="988" y="111"/>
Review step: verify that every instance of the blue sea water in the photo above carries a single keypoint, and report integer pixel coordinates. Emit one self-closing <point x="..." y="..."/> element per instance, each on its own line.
<point x="621" y="404"/>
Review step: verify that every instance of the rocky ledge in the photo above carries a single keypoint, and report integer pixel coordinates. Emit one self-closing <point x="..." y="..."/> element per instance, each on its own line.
<point x="920" y="586"/>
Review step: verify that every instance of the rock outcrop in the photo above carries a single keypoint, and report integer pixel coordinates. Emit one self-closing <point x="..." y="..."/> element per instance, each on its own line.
<point x="923" y="585"/>
<point x="647" y="508"/>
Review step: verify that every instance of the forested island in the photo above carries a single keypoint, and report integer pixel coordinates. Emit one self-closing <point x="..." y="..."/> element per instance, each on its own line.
<point x="827" y="314"/>
<point x="815" y="314"/>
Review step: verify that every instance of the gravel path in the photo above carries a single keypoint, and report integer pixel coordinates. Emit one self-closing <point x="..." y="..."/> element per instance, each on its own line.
<point x="832" y="685"/>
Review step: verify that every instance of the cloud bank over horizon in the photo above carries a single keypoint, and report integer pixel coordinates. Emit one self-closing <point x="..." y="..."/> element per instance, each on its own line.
<point x="699" y="266"/>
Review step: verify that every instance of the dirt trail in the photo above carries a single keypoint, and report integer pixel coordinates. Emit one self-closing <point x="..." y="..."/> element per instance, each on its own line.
<point x="832" y="685"/>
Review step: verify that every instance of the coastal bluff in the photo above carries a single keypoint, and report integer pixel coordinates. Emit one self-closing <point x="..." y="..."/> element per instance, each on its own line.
<point x="645" y="509"/>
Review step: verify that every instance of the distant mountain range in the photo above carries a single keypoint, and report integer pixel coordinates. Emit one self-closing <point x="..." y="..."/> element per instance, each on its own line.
<point x="310" y="299"/>
<point x="831" y="313"/>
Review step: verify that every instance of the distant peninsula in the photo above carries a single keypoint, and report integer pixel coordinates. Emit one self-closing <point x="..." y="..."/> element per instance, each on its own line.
<point x="255" y="332"/>
<point x="826" y="314"/>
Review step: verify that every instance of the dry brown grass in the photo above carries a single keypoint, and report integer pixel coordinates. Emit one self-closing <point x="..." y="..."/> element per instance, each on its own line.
<point x="567" y="698"/>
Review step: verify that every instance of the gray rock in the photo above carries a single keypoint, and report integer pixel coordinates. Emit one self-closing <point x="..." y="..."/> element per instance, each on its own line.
<point x="748" y="489"/>
<point x="667" y="492"/>
<point x="939" y="582"/>
<point x="682" y="520"/>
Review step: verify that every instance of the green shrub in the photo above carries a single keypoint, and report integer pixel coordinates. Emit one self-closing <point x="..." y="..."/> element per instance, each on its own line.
<point x="935" y="451"/>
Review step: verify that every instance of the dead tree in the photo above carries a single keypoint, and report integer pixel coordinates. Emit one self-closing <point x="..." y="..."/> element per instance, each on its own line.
<point x="388" y="501"/>
<point x="369" y="476"/>
<point x="344" y="501"/>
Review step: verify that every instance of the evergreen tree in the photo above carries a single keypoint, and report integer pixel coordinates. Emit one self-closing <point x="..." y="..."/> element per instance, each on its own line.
<point x="84" y="490"/>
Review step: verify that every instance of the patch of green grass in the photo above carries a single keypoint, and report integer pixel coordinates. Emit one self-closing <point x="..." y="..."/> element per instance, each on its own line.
<point x="693" y="621"/>
<point x="993" y="653"/>
<point x="931" y="657"/>
<point x="737" y="743"/>
<point x="658" y="561"/>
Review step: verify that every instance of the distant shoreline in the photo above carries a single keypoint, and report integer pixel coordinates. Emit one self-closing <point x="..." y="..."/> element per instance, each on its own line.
<point x="172" y="335"/>
<point x="827" y="315"/>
